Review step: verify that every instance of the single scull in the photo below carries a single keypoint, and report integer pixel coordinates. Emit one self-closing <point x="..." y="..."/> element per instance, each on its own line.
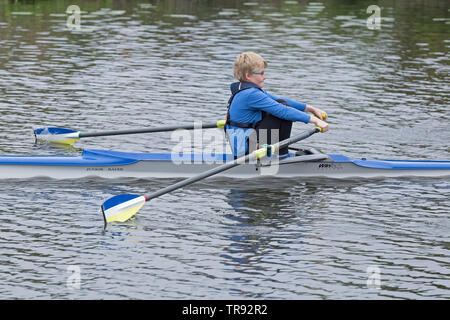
<point x="302" y="163"/>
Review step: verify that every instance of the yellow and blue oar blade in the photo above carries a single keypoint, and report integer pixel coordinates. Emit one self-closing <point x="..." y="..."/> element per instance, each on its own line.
<point x="57" y="135"/>
<point x="122" y="207"/>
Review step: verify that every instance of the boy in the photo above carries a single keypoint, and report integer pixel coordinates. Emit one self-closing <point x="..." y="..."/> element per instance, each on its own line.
<point x="250" y="108"/>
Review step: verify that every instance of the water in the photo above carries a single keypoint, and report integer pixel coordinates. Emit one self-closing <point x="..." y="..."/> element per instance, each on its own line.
<point x="135" y="64"/>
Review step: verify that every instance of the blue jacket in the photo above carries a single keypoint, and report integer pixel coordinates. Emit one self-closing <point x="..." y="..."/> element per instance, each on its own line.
<point x="247" y="107"/>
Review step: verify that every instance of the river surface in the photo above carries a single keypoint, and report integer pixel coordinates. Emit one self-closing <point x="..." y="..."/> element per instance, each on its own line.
<point x="132" y="64"/>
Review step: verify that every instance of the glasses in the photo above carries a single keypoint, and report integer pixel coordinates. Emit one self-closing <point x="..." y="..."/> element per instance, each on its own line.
<point x="260" y="73"/>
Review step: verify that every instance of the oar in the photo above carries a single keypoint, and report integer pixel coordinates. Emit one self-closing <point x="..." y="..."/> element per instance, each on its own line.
<point x="69" y="136"/>
<point x="122" y="207"/>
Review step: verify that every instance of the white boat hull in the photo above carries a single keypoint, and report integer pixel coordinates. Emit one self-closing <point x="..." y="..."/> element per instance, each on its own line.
<point x="334" y="166"/>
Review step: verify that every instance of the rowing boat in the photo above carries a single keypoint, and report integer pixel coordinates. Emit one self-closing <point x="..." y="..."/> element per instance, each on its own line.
<point x="307" y="162"/>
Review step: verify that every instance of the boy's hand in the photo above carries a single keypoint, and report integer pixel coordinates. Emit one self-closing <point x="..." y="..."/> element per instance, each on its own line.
<point x="318" y="117"/>
<point x="322" y="115"/>
<point x="320" y="123"/>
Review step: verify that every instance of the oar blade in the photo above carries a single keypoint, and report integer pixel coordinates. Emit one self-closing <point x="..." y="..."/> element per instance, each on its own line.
<point x="57" y="135"/>
<point x="122" y="207"/>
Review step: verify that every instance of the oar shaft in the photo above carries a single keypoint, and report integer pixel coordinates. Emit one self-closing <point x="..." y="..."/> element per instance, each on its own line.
<point x="191" y="180"/>
<point x="148" y="130"/>
<point x="231" y="164"/>
<point x="305" y="134"/>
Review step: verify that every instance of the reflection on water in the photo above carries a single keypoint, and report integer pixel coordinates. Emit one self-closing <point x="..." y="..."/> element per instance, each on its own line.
<point x="133" y="64"/>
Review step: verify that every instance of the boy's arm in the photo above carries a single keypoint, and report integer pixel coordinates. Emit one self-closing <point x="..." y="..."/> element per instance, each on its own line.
<point x="262" y="102"/>
<point x="302" y="106"/>
<point x="294" y="104"/>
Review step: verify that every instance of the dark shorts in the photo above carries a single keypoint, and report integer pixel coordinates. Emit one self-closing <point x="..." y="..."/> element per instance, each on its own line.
<point x="272" y="130"/>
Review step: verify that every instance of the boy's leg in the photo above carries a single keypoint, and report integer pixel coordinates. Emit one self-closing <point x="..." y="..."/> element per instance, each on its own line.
<point x="282" y="130"/>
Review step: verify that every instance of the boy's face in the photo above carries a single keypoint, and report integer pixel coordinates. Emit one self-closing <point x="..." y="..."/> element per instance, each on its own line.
<point x="257" y="77"/>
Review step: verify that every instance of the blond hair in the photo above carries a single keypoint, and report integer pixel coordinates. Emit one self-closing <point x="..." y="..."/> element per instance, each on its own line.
<point x="247" y="62"/>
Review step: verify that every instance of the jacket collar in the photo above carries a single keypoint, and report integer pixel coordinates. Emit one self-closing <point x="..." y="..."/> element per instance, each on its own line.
<point x="238" y="86"/>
